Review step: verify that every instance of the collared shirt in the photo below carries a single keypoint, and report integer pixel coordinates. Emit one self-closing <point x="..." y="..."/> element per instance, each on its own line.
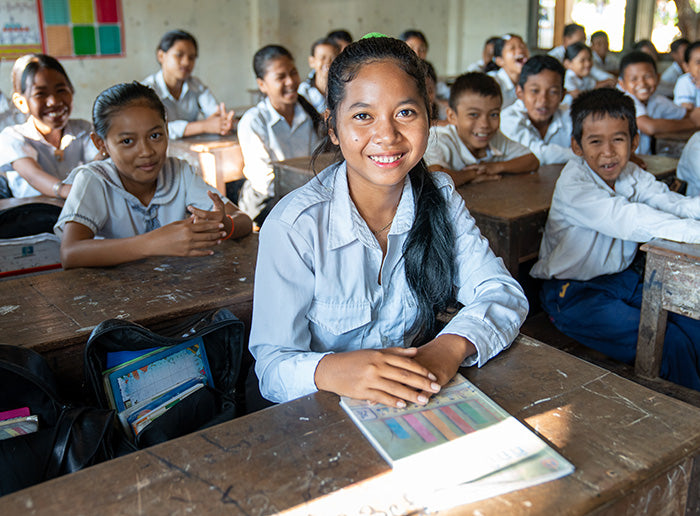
<point x="476" y="66"/>
<point x="686" y="91"/>
<point x="25" y="141"/>
<point x="573" y="82"/>
<point x="593" y="230"/>
<point x="446" y="148"/>
<point x="196" y="101"/>
<point x="598" y="72"/>
<point x="689" y="166"/>
<point x="558" y="53"/>
<point x="555" y="147"/>
<point x="610" y="64"/>
<point x="668" y="80"/>
<point x="657" y="106"/>
<point x="507" y="87"/>
<point x="99" y="201"/>
<point x="313" y="95"/>
<point x="265" y="136"/>
<point x="316" y="288"/>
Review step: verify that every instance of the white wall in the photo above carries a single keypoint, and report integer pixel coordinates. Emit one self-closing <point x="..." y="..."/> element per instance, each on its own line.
<point x="230" y="31"/>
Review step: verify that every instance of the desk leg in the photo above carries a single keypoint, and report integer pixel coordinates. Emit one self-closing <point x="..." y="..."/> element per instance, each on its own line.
<point x="210" y="174"/>
<point x="652" y="323"/>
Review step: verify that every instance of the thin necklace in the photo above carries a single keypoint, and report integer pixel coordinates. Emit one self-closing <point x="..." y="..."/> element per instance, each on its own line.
<point x="380" y="231"/>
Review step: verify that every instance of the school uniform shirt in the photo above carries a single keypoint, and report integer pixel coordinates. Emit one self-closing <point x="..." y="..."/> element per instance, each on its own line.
<point x="196" y="100"/>
<point x="598" y="73"/>
<point x="99" y="201"/>
<point x="667" y="82"/>
<point x="610" y="64"/>
<point x="476" y="66"/>
<point x="594" y="230"/>
<point x="574" y="82"/>
<point x="555" y="147"/>
<point x="446" y="148"/>
<point x="657" y="106"/>
<point x="558" y="53"/>
<point x="507" y="87"/>
<point x="265" y="136"/>
<point x="313" y="95"/>
<point x="25" y="141"/>
<point x="689" y="166"/>
<point x="316" y="288"/>
<point x="686" y="91"/>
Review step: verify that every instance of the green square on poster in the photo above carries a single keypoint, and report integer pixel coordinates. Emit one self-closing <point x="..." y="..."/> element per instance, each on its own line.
<point x="84" y="43"/>
<point x="110" y="40"/>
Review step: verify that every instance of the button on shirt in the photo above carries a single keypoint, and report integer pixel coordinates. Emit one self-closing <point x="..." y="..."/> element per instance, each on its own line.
<point x="316" y="288"/>
<point x="686" y="91"/>
<point x="507" y="87"/>
<point x="446" y="148"/>
<point x="657" y="106"/>
<point x="313" y="95"/>
<point x="196" y="100"/>
<point x="99" y="201"/>
<point x="555" y="147"/>
<point x="593" y="230"/>
<point x="689" y="165"/>
<point x="25" y="141"/>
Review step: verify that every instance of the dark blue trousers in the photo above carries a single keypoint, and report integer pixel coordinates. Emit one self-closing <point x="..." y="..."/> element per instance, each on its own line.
<point x="603" y="314"/>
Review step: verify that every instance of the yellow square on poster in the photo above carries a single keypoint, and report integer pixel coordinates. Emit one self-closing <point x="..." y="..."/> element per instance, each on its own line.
<point x="81" y="12"/>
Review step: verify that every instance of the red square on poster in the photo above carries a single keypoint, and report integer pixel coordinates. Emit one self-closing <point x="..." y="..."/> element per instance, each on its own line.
<point x="107" y="11"/>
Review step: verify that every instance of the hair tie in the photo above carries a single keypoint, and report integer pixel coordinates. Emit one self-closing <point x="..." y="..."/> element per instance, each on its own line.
<point x="374" y="35"/>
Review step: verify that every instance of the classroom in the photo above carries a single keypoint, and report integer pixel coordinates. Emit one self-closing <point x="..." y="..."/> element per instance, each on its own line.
<point x="347" y="257"/>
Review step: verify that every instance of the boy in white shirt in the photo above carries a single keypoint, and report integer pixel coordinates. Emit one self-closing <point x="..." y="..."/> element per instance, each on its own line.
<point x="655" y="113"/>
<point x="686" y="93"/>
<point x="537" y="120"/>
<point x="313" y="89"/>
<point x="689" y="166"/>
<point x="675" y="69"/>
<point x="602" y="60"/>
<point x="603" y="206"/>
<point x="471" y="147"/>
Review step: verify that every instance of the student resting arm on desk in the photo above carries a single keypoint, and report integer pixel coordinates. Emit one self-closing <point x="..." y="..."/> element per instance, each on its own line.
<point x="140" y="201"/>
<point x="353" y="266"/>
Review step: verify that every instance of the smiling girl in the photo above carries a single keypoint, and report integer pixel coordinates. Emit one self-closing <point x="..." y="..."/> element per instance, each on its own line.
<point x="353" y="267"/>
<point x="140" y="202"/>
<point x="510" y="53"/>
<point x="41" y="152"/>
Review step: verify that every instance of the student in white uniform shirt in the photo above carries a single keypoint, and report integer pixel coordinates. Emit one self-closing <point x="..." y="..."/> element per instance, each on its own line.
<point x="538" y="120"/>
<point x="575" y="33"/>
<point x="281" y="126"/>
<point x="140" y="202"/>
<point x="670" y="77"/>
<point x="603" y="206"/>
<point x="602" y="59"/>
<point x="686" y="93"/>
<point x="472" y="148"/>
<point x="342" y="301"/>
<point x="485" y="64"/>
<point x="191" y="106"/>
<point x="39" y="154"/>
<point x="689" y="166"/>
<point x="578" y="62"/>
<point x="655" y="113"/>
<point x="510" y="54"/>
<point x="323" y="51"/>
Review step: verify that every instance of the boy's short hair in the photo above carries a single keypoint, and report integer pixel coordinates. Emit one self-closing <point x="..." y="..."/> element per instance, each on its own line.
<point x="598" y="103"/>
<point x="572" y="28"/>
<point x="413" y="33"/>
<point x="688" y="51"/>
<point x="537" y="64"/>
<point x="677" y="43"/>
<point x="636" y="57"/>
<point x="323" y="41"/>
<point x="599" y="34"/>
<point x="474" y="82"/>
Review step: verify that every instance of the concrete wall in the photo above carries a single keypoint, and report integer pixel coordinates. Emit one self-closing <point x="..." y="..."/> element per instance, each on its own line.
<point x="230" y="31"/>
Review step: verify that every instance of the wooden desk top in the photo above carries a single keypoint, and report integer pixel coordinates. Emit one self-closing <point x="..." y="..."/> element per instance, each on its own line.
<point x="11" y="202"/>
<point x="302" y="165"/>
<point x="677" y="136"/>
<point x="631" y="447"/>
<point x="689" y="252"/>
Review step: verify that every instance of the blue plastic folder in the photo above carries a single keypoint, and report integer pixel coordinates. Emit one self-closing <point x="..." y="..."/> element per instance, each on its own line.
<point x="158" y="372"/>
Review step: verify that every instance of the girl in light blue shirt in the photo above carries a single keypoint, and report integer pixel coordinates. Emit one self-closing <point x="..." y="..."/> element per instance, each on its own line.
<point x="354" y="266"/>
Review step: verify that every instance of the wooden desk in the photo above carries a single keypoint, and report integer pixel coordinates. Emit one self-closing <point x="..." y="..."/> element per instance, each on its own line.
<point x="672" y="144"/>
<point x="635" y="452"/>
<point x="55" y="313"/>
<point x="292" y="173"/>
<point x="217" y="158"/>
<point x="12" y="202"/>
<point x="671" y="283"/>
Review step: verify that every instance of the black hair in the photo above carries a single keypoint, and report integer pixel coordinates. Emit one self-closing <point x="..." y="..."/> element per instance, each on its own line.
<point x="645" y="43"/>
<point x="677" y="43"/>
<point x="340" y="34"/>
<point x="689" y="51"/>
<point x="173" y="36"/>
<point x="635" y="57"/>
<point x="491" y="65"/>
<point x="429" y="249"/>
<point x="475" y="82"/>
<point x="324" y="41"/>
<point x="432" y="75"/>
<point x="572" y="28"/>
<point x="114" y="99"/>
<point x="599" y="103"/>
<point x="26" y="67"/>
<point x="492" y="40"/>
<point x="413" y="33"/>
<point x="537" y="64"/>
<point x="262" y="58"/>
<point x="599" y="34"/>
<point x="501" y="42"/>
<point x="575" y="49"/>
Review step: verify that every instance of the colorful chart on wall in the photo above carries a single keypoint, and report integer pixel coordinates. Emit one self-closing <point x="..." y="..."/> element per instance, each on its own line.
<point x="62" y="28"/>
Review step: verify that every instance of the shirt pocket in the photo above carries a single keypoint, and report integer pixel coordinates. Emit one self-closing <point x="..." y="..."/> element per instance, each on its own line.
<point x="340" y="317"/>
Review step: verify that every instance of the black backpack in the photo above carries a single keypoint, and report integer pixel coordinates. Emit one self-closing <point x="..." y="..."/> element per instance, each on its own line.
<point x="28" y="219"/>
<point x="223" y="338"/>
<point x="69" y="438"/>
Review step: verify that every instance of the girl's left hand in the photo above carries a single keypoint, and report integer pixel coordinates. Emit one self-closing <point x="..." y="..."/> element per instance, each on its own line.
<point x="443" y="355"/>
<point x="217" y="214"/>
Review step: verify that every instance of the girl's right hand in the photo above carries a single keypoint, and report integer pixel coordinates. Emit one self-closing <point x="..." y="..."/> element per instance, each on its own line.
<point x="390" y="376"/>
<point x="189" y="237"/>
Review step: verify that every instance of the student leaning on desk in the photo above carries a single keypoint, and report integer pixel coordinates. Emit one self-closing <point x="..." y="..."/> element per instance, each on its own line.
<point x="140" y="201"/>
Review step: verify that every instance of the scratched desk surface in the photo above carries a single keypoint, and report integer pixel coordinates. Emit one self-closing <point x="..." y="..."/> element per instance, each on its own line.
<point x="634" y="451"/>
<point x="55" y="313"/>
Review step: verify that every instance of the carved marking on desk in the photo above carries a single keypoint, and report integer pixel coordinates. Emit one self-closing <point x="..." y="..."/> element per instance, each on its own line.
<point x="8" y="309"/>
<point x="651" y="282"/>
<point x="562" y="373"/>
<point x="85" y="329"/>
<point x="233" y="450"/>
<point x="536" y="403"/>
